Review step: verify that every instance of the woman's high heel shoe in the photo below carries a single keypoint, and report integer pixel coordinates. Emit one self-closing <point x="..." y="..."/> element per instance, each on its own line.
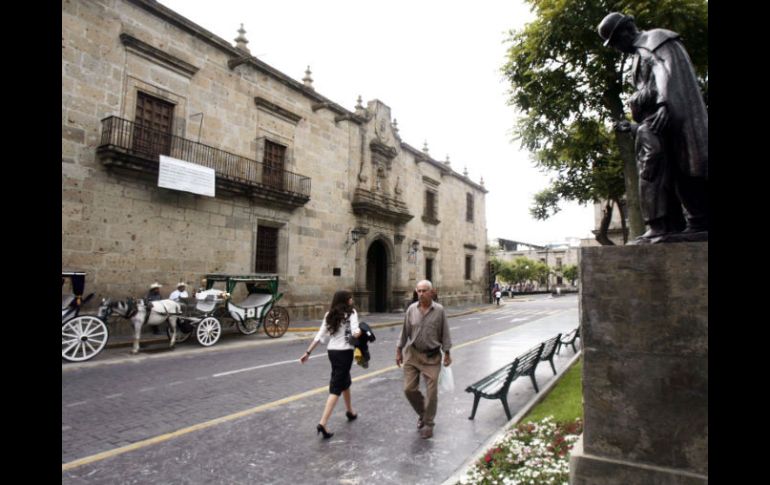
<point x="321" y="429"/>
<point x="350" y="416"/>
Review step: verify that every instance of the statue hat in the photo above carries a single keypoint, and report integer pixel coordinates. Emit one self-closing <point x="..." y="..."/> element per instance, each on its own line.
<point x="609" y="25"/>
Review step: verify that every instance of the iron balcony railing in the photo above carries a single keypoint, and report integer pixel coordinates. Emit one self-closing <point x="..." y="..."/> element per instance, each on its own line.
<point x="145" y="143"/>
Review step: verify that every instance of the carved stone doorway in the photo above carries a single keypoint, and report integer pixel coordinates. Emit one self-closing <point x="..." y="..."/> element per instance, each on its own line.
<point x="377" y="277"/>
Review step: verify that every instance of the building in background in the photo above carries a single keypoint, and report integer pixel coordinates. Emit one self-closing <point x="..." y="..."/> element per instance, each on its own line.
<point x="325" y="197"/>
<point x="555" y="255"/>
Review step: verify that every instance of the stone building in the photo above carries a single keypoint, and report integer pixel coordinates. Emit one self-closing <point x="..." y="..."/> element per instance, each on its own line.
<point x="325" y="197"/>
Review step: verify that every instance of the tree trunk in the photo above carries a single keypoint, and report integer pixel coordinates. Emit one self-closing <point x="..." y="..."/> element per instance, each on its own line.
<point x="626" y="147"/>
<point x="601" y="234"/>
<point x="623" y="209"/>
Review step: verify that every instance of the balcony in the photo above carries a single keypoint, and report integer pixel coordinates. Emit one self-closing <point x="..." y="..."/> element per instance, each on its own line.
<point x="128" y="146"/>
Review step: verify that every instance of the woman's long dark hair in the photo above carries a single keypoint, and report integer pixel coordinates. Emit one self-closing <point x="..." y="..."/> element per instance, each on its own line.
<point x="339" y="311"/>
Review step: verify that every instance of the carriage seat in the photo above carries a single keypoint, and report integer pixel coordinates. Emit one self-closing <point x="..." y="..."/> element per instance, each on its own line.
<point x="207" y="304"/>
<point x="254" y="300"/>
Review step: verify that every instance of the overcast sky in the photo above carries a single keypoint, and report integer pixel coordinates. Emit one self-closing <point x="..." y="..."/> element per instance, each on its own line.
<point x="435" y="63"/>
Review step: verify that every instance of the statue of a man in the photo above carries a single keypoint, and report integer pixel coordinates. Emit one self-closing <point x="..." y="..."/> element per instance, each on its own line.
<point x="671" y="130"/>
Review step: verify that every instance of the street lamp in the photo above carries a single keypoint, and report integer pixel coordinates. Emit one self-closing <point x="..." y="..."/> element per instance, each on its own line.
<point x="353" y="236"/>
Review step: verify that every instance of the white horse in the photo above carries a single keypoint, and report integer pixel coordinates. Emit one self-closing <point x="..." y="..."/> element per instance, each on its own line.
<point x="160" y="311"/>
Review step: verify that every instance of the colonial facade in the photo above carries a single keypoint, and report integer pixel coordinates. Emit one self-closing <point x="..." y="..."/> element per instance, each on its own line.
<point x="325" y="197"/>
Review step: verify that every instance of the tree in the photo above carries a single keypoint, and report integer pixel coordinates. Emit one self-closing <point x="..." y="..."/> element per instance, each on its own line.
<point x="570" y="90"/>
<point x="570" y="271"/>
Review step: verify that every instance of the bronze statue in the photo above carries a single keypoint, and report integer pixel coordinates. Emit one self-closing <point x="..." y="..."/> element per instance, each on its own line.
<point x="671" y="131"/>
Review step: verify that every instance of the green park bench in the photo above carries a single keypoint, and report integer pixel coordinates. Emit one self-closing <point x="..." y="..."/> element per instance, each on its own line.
<point x="496" y="385"/>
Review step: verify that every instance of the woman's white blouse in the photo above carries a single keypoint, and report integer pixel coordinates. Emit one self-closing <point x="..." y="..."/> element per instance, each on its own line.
<point x="338" y="340"/>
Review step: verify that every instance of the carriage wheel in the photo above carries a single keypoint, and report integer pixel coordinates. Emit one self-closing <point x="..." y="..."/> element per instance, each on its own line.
<point x="208" y="331"/>
<point x="247" y="327"/>
<point x="82" y="338"/>
<point x="181" y="335"/>
<point x="276" y="322"/>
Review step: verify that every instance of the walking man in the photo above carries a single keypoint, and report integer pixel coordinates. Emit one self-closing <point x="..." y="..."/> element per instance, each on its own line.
<point x="424" y="335"/>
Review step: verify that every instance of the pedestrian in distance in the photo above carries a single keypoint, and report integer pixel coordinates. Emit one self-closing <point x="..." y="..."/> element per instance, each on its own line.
<point x="498" y="296"/>
<point x="424" y="335"/>
<point x="339" y="324"/>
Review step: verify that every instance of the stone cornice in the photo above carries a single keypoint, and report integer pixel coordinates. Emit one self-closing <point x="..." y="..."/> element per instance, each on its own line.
<point x="145" y="50"/>
<point x="386" y="151"/>
<point x="380" y="207"/>
<point x="445" y="171"/>
<point x="277" y="110"/>
<point x="433" y="183"/>
<point x="237" y="56"/>
<point x="470" y="246"/>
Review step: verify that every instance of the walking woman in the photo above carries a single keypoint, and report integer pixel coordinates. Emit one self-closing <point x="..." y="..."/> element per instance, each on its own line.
<point x="340" y="322"/>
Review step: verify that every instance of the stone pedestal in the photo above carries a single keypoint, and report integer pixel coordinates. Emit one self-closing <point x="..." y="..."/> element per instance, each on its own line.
<point x="644" y="325"/>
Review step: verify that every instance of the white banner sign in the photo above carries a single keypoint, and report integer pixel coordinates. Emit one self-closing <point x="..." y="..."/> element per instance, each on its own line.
<point x="180" y="175"/>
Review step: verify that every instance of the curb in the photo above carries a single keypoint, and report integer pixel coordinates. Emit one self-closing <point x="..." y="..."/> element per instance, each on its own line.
<point x="462" y="470"/>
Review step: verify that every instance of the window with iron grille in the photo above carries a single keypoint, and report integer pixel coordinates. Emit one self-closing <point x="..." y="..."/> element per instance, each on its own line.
<point x="468" y="267"/>
<point x="558" y="263"/>
<point x="267" y="250"/>
<point x="469" y="207"/>
<point x="152" y="130"/>
<point x="429" y="269"/>
<point x="430" y="214"/>
<point x="274" y="159"/>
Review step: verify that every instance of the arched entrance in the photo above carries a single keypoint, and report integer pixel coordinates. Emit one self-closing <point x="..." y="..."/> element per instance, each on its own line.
<point x="377" y="277"/>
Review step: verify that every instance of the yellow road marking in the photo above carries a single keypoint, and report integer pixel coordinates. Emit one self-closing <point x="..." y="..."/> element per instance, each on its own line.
<point x="207" y="424"/>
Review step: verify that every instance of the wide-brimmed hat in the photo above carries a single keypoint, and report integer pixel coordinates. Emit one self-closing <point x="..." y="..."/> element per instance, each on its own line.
<point x="181" y="283"/>
<point x="610" y="24"/>
<point x="155" y="285"/>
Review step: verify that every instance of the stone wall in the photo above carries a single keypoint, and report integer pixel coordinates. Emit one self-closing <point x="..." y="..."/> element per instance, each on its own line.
<point x="126" y="232"/>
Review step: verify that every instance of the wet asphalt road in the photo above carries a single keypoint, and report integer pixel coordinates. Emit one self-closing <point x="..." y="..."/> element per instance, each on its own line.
<point x="268" y="405"/>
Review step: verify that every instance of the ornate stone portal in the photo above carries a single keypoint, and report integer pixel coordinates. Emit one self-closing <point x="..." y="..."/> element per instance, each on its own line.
<point x="377" y="204"/>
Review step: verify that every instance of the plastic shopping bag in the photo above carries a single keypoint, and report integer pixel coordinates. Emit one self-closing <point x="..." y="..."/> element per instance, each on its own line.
<point x="446" y="380"/>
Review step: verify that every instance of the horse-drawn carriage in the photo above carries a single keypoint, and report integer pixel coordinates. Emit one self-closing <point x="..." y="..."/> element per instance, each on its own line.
<point x="82" y="336"/>
<point x="204" y="314"/>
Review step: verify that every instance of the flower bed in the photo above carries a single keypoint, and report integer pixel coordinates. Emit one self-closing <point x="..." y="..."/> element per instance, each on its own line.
<point x="529" y="454"/>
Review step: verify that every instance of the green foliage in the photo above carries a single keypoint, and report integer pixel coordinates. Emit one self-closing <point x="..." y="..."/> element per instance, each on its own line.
<point x="570" y="272"/>
<point x="569" y="88"/>
<point x="521" y="270"/>
<point x="565" y="401"/>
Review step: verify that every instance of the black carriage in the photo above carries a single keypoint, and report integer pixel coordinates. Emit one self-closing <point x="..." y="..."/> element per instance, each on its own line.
<point x="82" y="336"/>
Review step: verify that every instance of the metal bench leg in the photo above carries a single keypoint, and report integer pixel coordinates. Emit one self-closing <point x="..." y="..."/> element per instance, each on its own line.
<point x="558" y="347"/>
<point x="504" y="399"/>
<point x="534" y="382"/>
<point x="476" y="398"/>
<point x="573" y="346"/>
<point x="550" y="361"/>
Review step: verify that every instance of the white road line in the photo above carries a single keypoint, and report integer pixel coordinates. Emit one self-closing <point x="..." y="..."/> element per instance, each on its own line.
<point x="111" y="396"/>
<point x="517" y="320"/>
<point x="145" y="389"/>
<point x="293" y="361"/>
<point x="75" y="404"/>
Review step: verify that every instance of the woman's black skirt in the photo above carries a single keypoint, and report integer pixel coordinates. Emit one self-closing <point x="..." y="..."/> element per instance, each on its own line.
<point x="342" y="361"/>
